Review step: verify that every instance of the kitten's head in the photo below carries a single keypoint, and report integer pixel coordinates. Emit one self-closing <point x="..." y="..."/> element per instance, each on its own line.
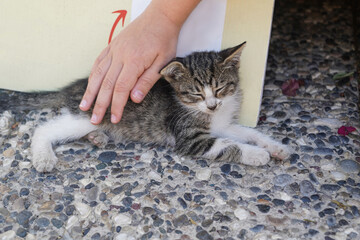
<point x="203" y="80"/>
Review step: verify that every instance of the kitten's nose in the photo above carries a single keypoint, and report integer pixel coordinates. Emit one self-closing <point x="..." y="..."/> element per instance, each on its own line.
<point x="212" y="107"/>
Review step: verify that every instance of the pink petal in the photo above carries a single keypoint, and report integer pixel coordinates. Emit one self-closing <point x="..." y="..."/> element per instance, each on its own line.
<point x="343" y="130"/>
<point x="350" y="129"/>
<point x="289" y="87"/>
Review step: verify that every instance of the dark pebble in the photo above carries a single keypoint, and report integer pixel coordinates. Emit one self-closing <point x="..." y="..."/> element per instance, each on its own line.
<point x="319" y="143"/>
<point x="206" y="223"/>
<point x="89" y="186"/>
<point x="107" y="157"/>
<point x="285" y="141"/>
<point x="330" y="187"/>
<point x="118" y="229"/>
<point x="197" y="198"/>
<point x="180" y="221"/>
<point x="355" y="211"/>
<point x="323" y="151"/>
<point x="331" y="221"/>
<point x="177" y="166"/>
<point x="306" y="188"/>
<point x="187" y="196"/>
<point x="257" y="228"/>
<point x="95" y="236"/>
<point x="204" y="235"/>
<point x="305" y="148"/>
<point x="315" y="197"/>
<point x="305" y="199"/>
<point x="100" y="166"/>
<point x="24" y="192"/>
<point x="182" y="202"/>
<point x="343" y="222"/>
<point x="313" y="178"/>
<point x="263" y="208"/>
<point x="57" y="223"/>
<point x="255" y="189"/>
<point x="23" y="218"/>
<point x="226" y="168"/>
<point x="264" y="196"/>
<point x="127" y="201"/>
<point x="102" y="196"/>
<point x="329" y="211"/>
<point x="313" y="232"/>
<point x="58" y="208"/>
<point x="311" y="136"/>
<point x="69" y="210"/>
<point x="334" y="140"/>
<point x="235" y="174"/>
<point x="42" y="222"/>
<point x="157" y="221"/>
<point x="278" y="202"/>
<point x="321" y="135"/>
<point x="341" y="182"/>
<point x="14" y="163"/>
<point x="202" y="163"/>
<point x="21" y="232"/>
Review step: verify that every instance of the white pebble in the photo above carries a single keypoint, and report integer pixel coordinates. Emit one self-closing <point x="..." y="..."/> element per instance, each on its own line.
<point x="72" y="221"/>
<point x="328" y="167"/>
<point x="154" y="175"/>
<point x="203" y="174"/>
<point x="284" y="196"/>
<point x="337" y="176"/>
<point x="121" y="220"/>
<point x="8" y="235"/>
<point x="241" y="214"/>
<point x="147" y="156"/>
<point x="83" y="209"/>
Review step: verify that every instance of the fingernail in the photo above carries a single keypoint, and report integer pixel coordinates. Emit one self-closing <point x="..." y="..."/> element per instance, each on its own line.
<point x="113" y="118"/>
<point x="83" y="103"/>
<point x="94" y="118"/>
<point x="138" y="95"/>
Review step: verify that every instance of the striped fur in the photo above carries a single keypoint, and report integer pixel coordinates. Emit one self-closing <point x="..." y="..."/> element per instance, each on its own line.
<point x="193" y="109"/>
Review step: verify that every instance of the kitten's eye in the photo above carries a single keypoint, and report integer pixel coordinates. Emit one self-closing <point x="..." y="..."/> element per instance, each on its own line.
<point x="217" y="91"/>
<point x="198" y="95"/>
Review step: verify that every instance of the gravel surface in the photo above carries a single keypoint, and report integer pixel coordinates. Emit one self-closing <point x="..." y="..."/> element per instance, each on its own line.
<point x="134" y="191"/>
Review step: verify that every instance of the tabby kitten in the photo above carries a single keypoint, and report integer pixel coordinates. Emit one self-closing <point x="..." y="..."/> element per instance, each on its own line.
<point x="192" y="108"/>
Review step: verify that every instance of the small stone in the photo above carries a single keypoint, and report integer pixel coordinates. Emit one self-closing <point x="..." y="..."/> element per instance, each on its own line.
<point x="255" y="189"/>
<point x="100" y="166"/>
<point x="203" y="174"/>
<point x="323" y="151"/>
<point x="334" y="140"/>
<point x="204" y="235"/>
<point x="180" y="221"/>
<point x="337" y="176"/>
<point x="330" y="187"/>
<point x="282" y="180"/>
<point x="24" y="192"/>
<point x="42" y="222"/>
<point x="278" y="202"/>
<point x="8" y="152"/>
<point x="226" y="168"/>
<point x="188" y="196"/>
<point x="306" y="188"/>
<point x="102" y="196"/>
<point x="148" y="211"/>
<point x="21" y="232"/>
<point x="241" y="214"/>
<point x="23" y="218"/>
<point x="206" y="223"/>
<point x="69" y="210"/>
<point x="331" y="221"/>
<point x="57" y="223"/>
<point x="83" y="209"/>
<point x="107" y="157"/>
<point x="127" y="201"/>
<point x="263" y="208"/>
<point x="279" y="114"/>
<point x="121" y="220"/>
<point x="257" y="228"/>
<point x="8" y="235"/>
<point x="350" y="166"/>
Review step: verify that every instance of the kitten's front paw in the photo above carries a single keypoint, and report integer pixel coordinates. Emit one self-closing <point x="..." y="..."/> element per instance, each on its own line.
<point x="44" y="162"/>
<point x="254" y="156"/>
<point x="98" y="138"/>
<point x="278" y="150"/>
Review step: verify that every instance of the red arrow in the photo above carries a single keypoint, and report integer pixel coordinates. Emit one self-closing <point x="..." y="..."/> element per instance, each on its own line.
<point x="121" y="15"/>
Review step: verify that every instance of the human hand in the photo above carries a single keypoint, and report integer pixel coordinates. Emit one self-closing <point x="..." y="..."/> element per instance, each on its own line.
<point x="130" y="64"/>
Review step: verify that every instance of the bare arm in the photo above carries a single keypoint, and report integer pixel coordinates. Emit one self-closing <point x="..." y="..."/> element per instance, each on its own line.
<point x="130" y="64"/>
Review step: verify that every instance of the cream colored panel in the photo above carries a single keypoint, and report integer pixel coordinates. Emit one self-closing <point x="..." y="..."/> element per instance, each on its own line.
<point x="250" y="21"/>
<point x="45" y="44"/>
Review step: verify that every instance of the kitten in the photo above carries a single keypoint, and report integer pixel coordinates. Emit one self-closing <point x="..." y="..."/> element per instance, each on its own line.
<point x="192" y="108"/>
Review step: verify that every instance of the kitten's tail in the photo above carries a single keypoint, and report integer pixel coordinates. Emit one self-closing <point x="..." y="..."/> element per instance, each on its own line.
<point x="22" y="101"/>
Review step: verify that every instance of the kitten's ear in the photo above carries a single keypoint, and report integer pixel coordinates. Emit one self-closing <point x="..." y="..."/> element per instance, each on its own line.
<point x="173" y="70"/>
<point x="231" y="56"/>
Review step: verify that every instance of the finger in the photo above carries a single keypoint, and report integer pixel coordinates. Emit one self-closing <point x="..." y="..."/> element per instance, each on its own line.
<point x="105" y="94"/>
<point x="95" y="79"/>
<point x="124" y="84"/>
<point x="146" y="81"/>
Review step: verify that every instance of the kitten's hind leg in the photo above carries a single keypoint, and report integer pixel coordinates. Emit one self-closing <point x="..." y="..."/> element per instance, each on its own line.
<point x="62" y="129"/>
<point x="98" y="138"/>
<point x="245" y="134"/>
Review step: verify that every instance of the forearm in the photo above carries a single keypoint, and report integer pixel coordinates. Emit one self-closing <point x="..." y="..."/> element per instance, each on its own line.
<point x="177" y="11"/>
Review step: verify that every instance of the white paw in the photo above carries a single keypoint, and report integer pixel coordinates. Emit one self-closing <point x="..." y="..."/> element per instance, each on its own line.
<point x="278" y="150"/>
<point x="254" y="156"/>
<point x="98" y="138"/>
<point x="43" y="157"/>
<point x="44" y="163"/>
